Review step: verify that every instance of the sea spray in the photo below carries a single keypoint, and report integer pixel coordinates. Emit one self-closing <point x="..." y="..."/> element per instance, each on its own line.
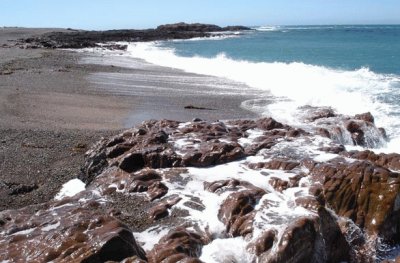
<point x="288" y="86"/>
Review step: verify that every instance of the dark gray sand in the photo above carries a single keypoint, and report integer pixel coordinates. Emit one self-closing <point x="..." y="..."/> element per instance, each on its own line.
<point x="54" y="104"/>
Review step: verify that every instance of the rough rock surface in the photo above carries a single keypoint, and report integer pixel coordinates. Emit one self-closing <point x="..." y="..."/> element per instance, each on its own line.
<point x="178" y="245"/>
<point x="235" y="191"/>
<point x="67" y="231"/>
<point x="366" y="193"/>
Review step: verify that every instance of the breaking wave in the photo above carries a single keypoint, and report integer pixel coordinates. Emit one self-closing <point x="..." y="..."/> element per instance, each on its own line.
<point x="291" y="85"/>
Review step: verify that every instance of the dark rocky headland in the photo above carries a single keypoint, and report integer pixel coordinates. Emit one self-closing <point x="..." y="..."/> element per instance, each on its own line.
<point x="82" y="39"/>
<point x="244" y="190"/>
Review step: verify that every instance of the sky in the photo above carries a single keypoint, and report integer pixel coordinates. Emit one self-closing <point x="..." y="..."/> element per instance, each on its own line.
<point x="113" y="14"/>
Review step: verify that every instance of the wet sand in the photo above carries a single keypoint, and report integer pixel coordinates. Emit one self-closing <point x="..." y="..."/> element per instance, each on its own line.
<point x="54" y="104"/>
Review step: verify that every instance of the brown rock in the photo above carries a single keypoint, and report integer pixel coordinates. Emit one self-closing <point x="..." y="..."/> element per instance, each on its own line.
<point x="279" y="184"/>
<point x="357" y="133"/>
<point x="365" y="193"/>
<point x="306" y="239"/>
<point x="276" y="164"/>
<point x="157" y="190"/>
<point x="335" y="244"/>
<point x="266" y="143"/>
<point x="389" y="161"/>
<point x="324" y="132"/>
<point x="213" y="154"/>
<point x="77" y="233"/>
<point x="310" y="203"/>
<point x="295" y="132"/>
<point x="237" y="211"/>
<point x="263" y="243"/>
<point x="118" y="150"/>
<point x="296" y="244"/>
<point x="222" y="186"/>
<point x="179" y="244"/>
<point x="269" y="124"/>
<point x="132" y="162"/>
<point x="319" y="113"/>
<point x="336" y="149"/>
<point x="160" y="210"/>
<point x="365" y="117"/>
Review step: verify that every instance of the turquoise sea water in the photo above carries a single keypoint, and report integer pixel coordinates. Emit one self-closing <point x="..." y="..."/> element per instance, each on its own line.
<point x="348" y="47"/>
<point x="352" y="69"/>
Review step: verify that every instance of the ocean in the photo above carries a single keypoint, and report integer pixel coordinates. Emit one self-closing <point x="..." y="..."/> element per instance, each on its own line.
<point x="351" y="68"/>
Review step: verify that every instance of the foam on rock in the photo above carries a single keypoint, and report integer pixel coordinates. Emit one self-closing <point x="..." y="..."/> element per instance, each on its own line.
<point x="236" y="191"/>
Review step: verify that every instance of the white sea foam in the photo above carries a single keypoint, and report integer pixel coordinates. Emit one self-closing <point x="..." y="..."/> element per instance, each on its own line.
<point x="150" y="237"/>
<point x="70" y="188"/>
<point x="267" y="28"/>
<point x="51" y="227"/>
<point x="275" y="210"/>
<point x="226" y="250"/>
<point x="214" y="36"/>
<point x="292" y="84"/>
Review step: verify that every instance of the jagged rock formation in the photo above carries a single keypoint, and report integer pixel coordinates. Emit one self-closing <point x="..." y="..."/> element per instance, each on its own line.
<point x="167" y="191"/>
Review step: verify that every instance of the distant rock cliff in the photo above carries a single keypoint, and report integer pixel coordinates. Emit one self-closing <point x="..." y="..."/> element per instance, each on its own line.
<point x="82" y="39"/>
<point x="197" y="27"/>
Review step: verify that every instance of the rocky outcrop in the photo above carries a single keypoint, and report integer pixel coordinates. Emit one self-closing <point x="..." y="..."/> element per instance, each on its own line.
<point x="204" y="144"/>
<point x="167" y="191"/>
<point x="306" y="239"/>
<point x="237" y="211"/>
<point x="83" y="39"/>
<point x="151" y="145"/>
<point x="389" y="161"/>
<point x="359" y="129"/>
<point x="66" y="231"/>
<point x="366" y="193"/>
<point x="180" y="245"/>
<point x="197" y="27"/>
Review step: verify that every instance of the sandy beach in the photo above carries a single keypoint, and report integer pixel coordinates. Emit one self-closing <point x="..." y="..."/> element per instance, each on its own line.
<point x="54" y="104"/>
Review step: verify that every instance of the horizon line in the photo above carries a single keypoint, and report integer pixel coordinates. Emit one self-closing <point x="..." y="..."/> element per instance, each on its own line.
<point x="250" y="26"/>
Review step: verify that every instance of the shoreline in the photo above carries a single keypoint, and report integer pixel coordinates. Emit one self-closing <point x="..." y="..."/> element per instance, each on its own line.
<point x="52" y="112"/>
<point x="160" y="92"/>
<point x="265" y="190"/>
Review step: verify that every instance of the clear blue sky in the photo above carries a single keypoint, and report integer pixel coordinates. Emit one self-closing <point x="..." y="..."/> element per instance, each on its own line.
<point x="103" y="14"/>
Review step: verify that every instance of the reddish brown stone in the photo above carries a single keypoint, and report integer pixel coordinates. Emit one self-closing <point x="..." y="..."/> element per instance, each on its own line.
<point x="336" y="149"/>
<point x="66" y="232"/>
<point x="229" y="185"/>
<point x="390" y="161"/>
<point x="365" y="117"/>
<point x="237" y="211"/>
<point x="365" y="193"/>
<point x="160" y="210"/>
<point x="324" y="132"/>
<point x="296" y="244"/>
<point x="263" y="243"/>
<point x="179" y="244"/>
<point x="269" y="124"/>
<point x="276" y="164"/>
<point x="157" y="190"/>
<point x="213" y="154"/>
<point x="306" y="239"/>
